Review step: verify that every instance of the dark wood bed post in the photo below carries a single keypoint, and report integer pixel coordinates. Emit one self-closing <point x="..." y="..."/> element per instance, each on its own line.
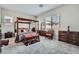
<point x="17" y="25"/>
<point x="51" y="23"/>
<point x="35" y="25"/>
<point x="36" y="21"/>
<point x="29" y="26"/>
<point x="38" y="25"/>
<point x="14" y="26"/>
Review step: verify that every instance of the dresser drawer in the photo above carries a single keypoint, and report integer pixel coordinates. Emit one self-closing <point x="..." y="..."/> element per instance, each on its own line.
<point x="69" y="36"/>
<point x="63" y="36"/>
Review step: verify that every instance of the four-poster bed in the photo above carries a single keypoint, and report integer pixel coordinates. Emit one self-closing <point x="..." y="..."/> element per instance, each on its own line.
<point x="28" y="36"/>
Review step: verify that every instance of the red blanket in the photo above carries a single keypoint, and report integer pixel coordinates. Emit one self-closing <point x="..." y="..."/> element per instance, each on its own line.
<point x="30" y="35"/>
<point x="35" y="34"/>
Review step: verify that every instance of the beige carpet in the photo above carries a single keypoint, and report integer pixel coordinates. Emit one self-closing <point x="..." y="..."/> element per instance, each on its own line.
<point x="45" y="46"/>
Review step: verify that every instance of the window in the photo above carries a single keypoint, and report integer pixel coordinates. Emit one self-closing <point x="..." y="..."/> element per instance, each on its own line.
<point x="48" y="22"/>
<point x="55" y="19"/>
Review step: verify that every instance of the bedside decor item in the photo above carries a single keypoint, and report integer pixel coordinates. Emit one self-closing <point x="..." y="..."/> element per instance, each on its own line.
<point x="68" y="28"/>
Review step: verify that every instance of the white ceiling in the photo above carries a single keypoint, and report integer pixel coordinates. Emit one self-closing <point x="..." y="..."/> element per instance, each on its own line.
<point x="32" y="9"/>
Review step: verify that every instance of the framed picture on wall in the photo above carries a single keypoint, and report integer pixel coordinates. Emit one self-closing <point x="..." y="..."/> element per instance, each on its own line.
<point x="8" y="20"/>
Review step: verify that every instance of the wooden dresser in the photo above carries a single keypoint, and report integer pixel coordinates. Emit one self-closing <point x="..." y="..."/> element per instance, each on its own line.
<point x="69" y="37"/>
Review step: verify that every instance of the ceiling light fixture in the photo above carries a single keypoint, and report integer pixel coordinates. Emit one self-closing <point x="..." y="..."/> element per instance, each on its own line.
<point x="41" y="5"/>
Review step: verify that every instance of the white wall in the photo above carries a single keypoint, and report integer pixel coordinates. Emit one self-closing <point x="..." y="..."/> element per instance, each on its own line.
<point x="13" y="14"/>
<point x="69" y="15"/>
